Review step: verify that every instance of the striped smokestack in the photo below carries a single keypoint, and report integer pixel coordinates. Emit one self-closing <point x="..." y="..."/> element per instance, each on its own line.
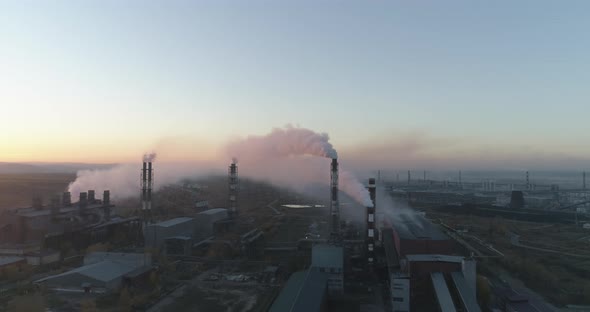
<point x="334" y="205"/>
<point x="371" y="231"/>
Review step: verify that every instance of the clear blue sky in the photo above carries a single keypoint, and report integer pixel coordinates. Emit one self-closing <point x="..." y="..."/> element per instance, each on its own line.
<point x="486" y="72"/>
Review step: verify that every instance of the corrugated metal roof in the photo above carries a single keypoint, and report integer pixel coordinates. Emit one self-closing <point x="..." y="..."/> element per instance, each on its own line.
<point x="213" y="211"/>
<point x="304" y="292"/>
<point x="434" y="258"/>
<point x="443" y="296"/>
<point x="467" y="294"/>
<point x="327" y="256"/>
<point x="173" y="222"/>
<point x="104" y="271"/>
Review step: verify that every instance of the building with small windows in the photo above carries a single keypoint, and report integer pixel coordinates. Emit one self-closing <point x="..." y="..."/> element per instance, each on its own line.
<point x="330" y="259"/>
<point x="400" y="292"/>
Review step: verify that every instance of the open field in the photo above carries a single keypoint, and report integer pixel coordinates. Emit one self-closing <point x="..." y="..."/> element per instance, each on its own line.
<point x="17" y="190"/>
<point x="551" y="259"/>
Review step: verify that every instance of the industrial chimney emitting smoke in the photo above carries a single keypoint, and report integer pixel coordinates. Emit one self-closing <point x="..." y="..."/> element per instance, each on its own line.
<point x="233" y="188"/>
<point x="334" y="204"/>
<point x="147" y="184"/>
<point x="371" y="223"/>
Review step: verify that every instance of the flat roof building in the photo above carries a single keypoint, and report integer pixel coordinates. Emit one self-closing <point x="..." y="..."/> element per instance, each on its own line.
<point x="305" y="291"/>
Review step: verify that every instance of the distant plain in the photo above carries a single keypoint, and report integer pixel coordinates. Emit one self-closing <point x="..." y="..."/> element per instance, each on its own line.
<point x="17" y="190"/>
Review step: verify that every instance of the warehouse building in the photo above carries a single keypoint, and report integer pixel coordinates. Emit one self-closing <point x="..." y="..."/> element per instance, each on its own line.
<point x="101" y="272"/>
<point x="330" y="259"/>
<point x="178" y="235"/>
<point x="156" y="234"/>
<point x="413" y="234"/>
<point x="305" y="291"/>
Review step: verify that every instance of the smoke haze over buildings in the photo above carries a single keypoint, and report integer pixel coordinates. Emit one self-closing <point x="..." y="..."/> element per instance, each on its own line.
<point x="292" y="157"/>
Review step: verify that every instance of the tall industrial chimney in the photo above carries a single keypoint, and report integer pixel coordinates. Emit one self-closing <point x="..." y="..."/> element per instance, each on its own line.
<point x="66" y="199"/>
<point x="106" y="203"/>
<point x="334" y="204"/>
<point x="528" y="184"/>
<point x="91" y="197"/>
<point x="409" y="177"/>
<point x="233" y="188"/>
<point x="144" y="186"/>
<point x="371" y="231"/>
<point x="82" y="202"/>
<point x="150" y="186"/>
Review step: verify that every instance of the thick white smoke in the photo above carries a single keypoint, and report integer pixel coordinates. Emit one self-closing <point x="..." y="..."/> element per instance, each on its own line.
<point x="269" y="157"/>
<point x="279" y="157"/>
<point x="350" y="185"/>
<point x="283" y="142"/>
<point x="124" y="180"/>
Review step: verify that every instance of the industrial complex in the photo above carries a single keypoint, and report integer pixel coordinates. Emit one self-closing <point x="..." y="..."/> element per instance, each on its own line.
<point x="295" y="256"/>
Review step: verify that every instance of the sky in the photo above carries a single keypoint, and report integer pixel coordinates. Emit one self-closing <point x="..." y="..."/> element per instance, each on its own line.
<point x="399" y="83"/>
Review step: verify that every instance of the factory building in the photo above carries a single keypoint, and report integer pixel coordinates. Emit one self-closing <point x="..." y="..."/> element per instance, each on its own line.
<point x="101" y="272"/>
<point x="205" y="222"/>
<point x="413" y="234"/>
<point x="305" y="291"/>
<point x="33" y="224"/>
<point x="427" y="280"/>
<point x="156" y="234"/>
<point x="330" y="259"/>
<point x="179" y="234"/>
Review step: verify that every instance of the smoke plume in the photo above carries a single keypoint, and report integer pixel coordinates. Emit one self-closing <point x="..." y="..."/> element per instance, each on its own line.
<point x="149" y="157"/>
<point x="279" y="157"/>
<point x="283" y="142"/>
<point x="353" y="188"/>
<point x="124" y="180"/>
<point x="269" y="157"/>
